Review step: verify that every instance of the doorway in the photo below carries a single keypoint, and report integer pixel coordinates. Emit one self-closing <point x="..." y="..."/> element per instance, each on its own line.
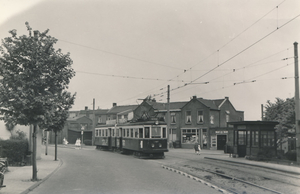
<point x="221" y="142"/>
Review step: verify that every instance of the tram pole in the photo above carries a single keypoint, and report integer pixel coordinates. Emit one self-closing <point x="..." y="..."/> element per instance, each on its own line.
<point x="169" y="118"/>
<point x="297" y="108"/>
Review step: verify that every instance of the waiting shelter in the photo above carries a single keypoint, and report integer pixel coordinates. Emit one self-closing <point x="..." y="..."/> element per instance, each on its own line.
<point x="252" y="137"/>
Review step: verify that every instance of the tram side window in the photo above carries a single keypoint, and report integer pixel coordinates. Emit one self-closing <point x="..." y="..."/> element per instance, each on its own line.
<point x="131" y="132"/>
<point x="96" y="133"/>
<point x="136" y="133"/>
<point x="124" y="132"/>
<point x="147" y="132"/>
<point x="141" y="133"/>
<point x="113" y="132"/>
<point x="127" y="132"/>
<point x="117" y="132"/>
<point x="155" y="132"/>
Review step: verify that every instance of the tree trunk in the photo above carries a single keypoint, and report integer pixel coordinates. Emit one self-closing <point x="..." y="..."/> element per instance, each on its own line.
<point x="55" y="138"/>
<point x="34" y="168"/>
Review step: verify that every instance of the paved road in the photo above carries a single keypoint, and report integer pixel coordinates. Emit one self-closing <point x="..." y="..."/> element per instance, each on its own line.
<point x="93" y="171"/>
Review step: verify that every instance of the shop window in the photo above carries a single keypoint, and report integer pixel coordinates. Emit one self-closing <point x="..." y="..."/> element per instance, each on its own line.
<point x="188" y="117"/>
<point x="200" y="117"/>
<point x="189" y="136"/>
<point x="204" y="138"/>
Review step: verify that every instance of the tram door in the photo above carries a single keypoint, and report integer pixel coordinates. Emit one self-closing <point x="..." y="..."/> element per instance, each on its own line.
<point x="241" y="143"/>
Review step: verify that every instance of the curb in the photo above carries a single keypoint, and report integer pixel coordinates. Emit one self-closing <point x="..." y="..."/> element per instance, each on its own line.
<point x="43" y="180"/>
<point x="196" y="179"/>
<point x="255" y="165"/>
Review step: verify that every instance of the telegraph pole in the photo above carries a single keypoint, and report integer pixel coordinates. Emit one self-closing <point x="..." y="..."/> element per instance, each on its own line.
<point x="297" y="108"/>
<point x="169" y="118"/>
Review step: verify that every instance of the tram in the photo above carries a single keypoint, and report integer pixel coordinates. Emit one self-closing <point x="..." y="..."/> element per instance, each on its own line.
<point x="142" y="139"/>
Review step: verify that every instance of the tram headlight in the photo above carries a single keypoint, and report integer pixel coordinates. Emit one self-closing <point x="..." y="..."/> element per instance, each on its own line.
<point x="152" y="145"/>
<point x="160" y="145"/>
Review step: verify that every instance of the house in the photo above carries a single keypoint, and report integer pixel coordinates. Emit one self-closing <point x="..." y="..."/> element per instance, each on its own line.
<point x="198" y="120"/>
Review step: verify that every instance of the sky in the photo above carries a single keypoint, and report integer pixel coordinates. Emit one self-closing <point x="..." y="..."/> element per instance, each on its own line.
<point x="126" y="50"/>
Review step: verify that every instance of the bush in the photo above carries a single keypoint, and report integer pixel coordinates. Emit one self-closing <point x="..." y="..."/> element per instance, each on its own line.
<point x="265" y="154"/>
<point x="291" y="155"/>
<point x="87" y="142"/>
<point x="14" y="150"/>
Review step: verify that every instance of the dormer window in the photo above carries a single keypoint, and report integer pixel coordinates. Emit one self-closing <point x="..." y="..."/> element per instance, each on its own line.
<point x="188" y="117"/>
<point x="200" y="117"/>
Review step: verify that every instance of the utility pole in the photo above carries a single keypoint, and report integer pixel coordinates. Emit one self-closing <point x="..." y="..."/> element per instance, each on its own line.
<point x="297" y="108"/>
<point x="169" y="118"/>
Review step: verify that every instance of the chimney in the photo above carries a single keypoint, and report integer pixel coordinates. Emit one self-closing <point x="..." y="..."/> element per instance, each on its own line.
<point x="194" y="97"/>
<point x="227" y="98"/>
<point x="114" y="104"/>
<point x="86" y="108"/>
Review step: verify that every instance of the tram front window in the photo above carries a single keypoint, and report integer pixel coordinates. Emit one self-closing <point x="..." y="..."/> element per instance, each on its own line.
<point x="155" y="132"/>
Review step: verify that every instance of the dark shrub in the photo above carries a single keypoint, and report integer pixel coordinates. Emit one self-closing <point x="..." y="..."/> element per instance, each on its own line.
<point x="88" y="142"/>
<point x="14" y="150"/>
<point x="265" y="154"/>
<point x="291" y="155"/>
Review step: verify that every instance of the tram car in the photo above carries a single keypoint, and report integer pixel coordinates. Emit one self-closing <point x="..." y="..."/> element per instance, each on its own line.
<point x="144" y="139"/>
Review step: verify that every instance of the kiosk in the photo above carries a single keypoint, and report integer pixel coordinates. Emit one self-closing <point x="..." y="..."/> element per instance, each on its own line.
<point x="252" y="137"/>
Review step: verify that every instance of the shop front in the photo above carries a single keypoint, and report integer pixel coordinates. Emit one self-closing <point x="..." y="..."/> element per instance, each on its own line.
<point x="190" y="136"/>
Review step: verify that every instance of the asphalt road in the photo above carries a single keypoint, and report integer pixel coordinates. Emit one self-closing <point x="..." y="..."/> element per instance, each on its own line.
<point x="93" y="171"/>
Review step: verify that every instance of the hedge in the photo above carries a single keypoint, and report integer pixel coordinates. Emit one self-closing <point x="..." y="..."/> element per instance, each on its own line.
<point x="14" y="150"/>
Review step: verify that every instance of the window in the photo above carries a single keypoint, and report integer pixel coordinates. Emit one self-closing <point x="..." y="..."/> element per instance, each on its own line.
<point x="212" y="118"/>
<point x="190" y="136"/>
<point x="99" y="119"/>
<point x="173" y="118"/>
<point x="200" y="117"/>
<point x="117" y="132"/>
<point x="155" y="132"/>
<point x="267" y="138"/>
<point x="254" y="138"/>
<point x="164" y="132"/>
<point x="188" y="117"/>
<point x="97" y="133"/>
<point x="127" y="133"/>
<point x="112" y="132"/>
<point x="242" y="138"/>
<point x="131" y="132"/>
<point x="147" y="131"/>
<point x="124" y="132"/>
<point x="227" y="115"/>
<point x="141" y="133"/>
<point x="135" y="133"/>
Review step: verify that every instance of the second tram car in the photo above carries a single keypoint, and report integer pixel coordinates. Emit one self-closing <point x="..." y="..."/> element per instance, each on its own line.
<point x="140" y="139"/>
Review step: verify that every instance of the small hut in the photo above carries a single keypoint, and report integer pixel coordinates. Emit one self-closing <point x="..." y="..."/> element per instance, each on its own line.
<point x="251" y="138"/>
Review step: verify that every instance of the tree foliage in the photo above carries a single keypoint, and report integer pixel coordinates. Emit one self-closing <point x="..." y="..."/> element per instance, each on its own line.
<point x="34" y="78"/>
<point x="282" y="111"/>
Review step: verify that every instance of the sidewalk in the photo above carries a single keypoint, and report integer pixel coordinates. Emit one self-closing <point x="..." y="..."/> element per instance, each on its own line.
<point x="18" y="179"/>
<point x="221" y="156"/>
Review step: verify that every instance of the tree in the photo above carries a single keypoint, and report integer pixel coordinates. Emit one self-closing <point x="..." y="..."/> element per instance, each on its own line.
<point x="10" y="126"/>
<point x="282" y="111"/>
<point x="34" y="75"/>
<point x="57" y="122"/>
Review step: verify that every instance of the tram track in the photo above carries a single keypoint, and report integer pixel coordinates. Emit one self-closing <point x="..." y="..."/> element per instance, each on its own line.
<point x="238" y="178"/>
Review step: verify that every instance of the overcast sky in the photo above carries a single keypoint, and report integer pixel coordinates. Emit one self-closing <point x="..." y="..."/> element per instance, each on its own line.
<point x="125" y="50"/>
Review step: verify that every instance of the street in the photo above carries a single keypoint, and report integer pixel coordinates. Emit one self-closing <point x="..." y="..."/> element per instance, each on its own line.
<point x="93" y="171"/>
